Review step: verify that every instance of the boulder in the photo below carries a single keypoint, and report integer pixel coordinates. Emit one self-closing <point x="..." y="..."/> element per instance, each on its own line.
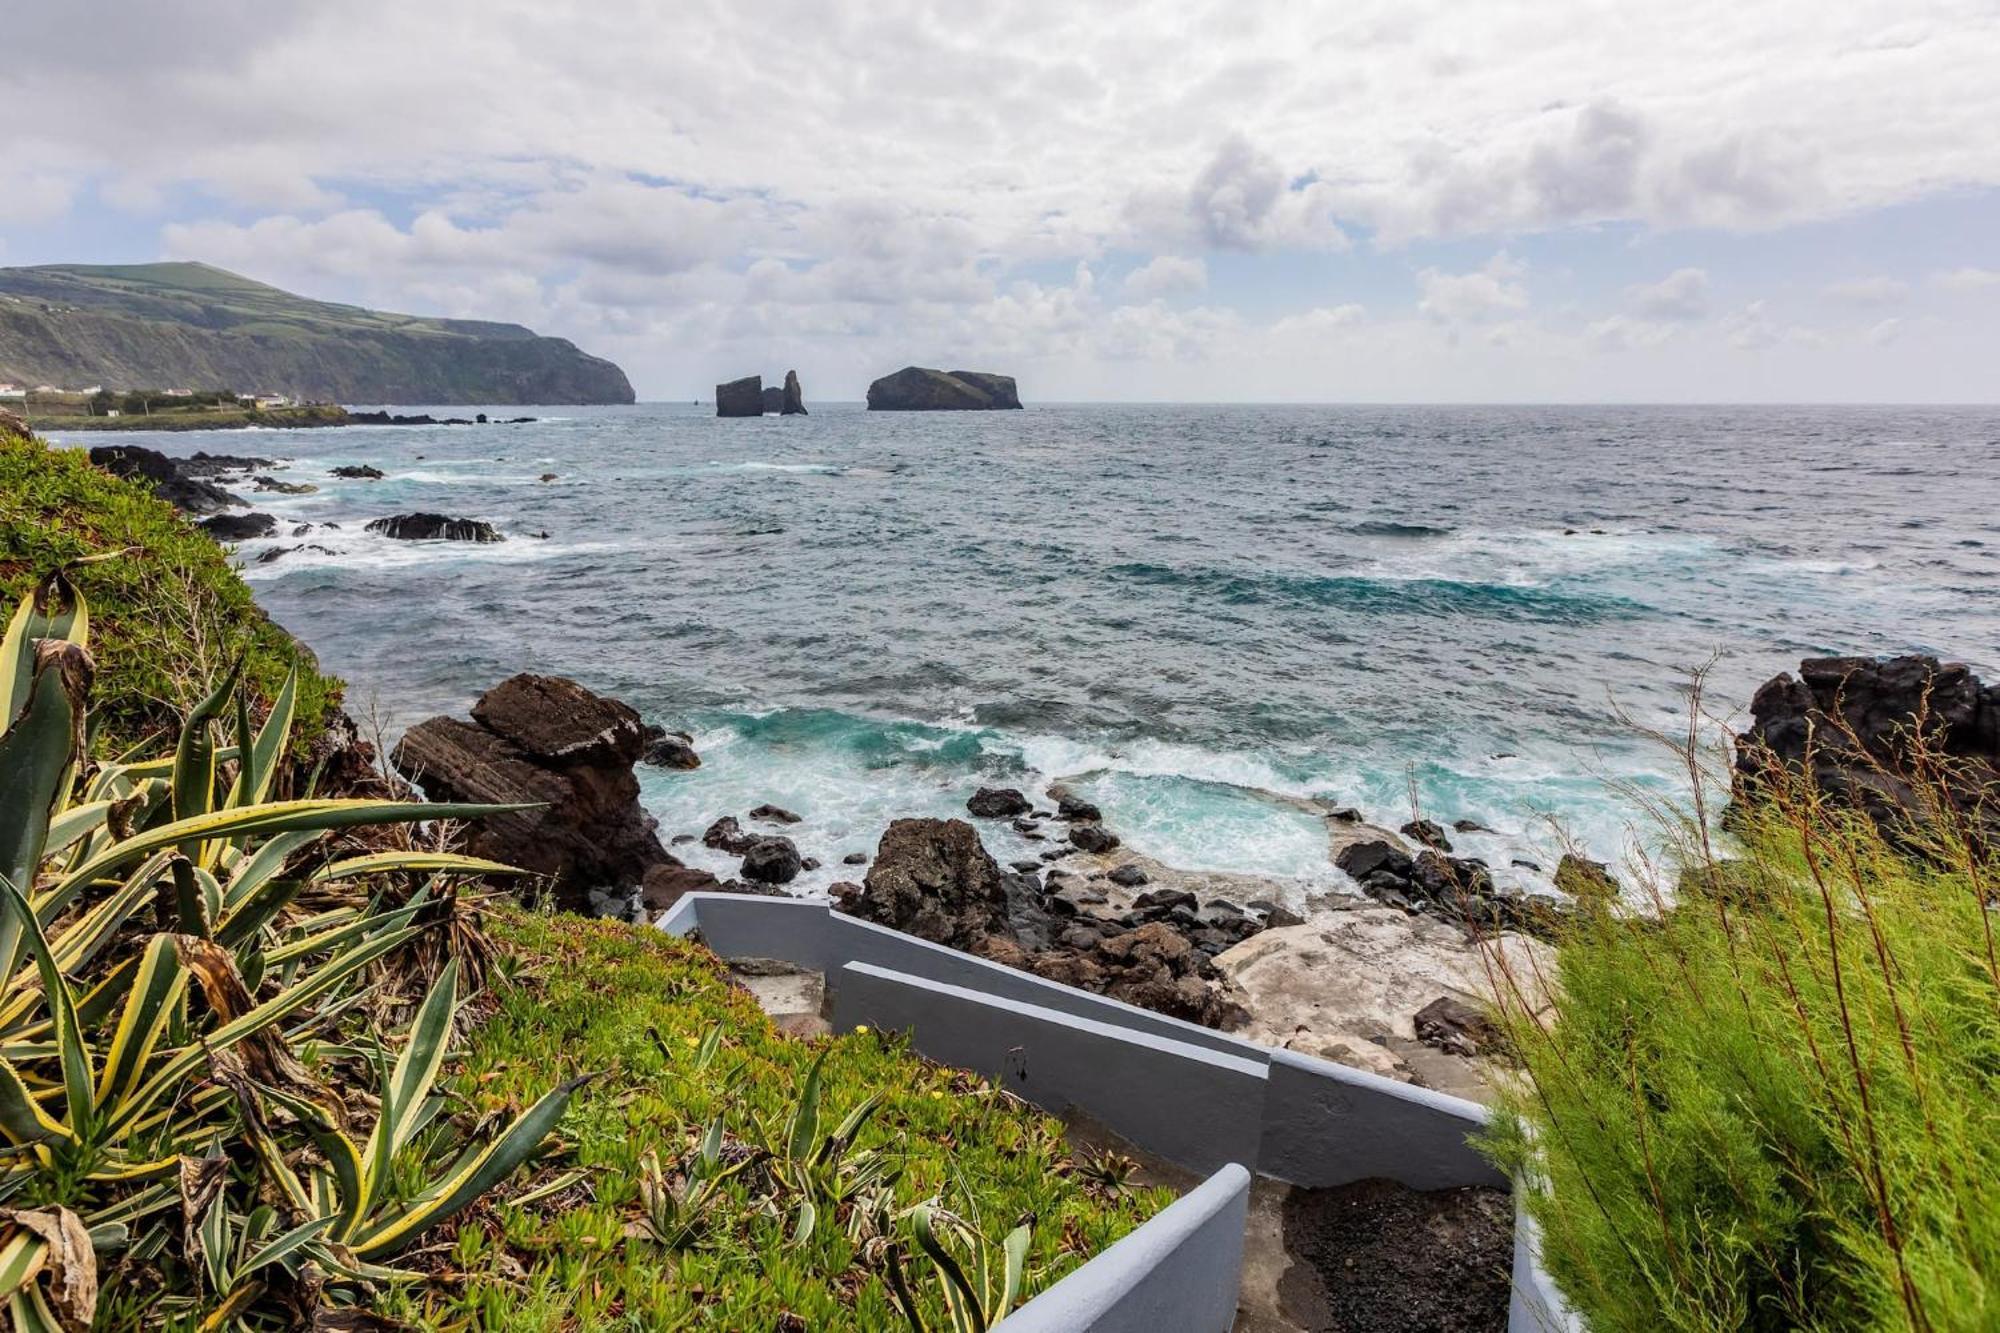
<point x="1075" y="807"/>
<point x="434" y="527"/>
<point x="239" y="527"/>
<point x="771" y="861"/>
<point x="1427" y="832"/>
<point x="740" y="398"/>
<point x="201" y="463"/>
<point x="666" y="885"/>
<point x="1455" y="1027"/>
<point x="1092" y="838"/>
<point x="166" y="477"/>
<point x="793" y="403"/>
<point x="1128" y="876"/>
<point x="998" y="803"/>
<point x="726" y="835"/>
<point x="359" y="472"/>
<point x="932" y="878"/>
<point x="774" y="814"/>
<point x="551" y="743"/>
<point x="273" y="484"/>
<point x="671" y="749"/>
<point x="1855" y="726"/>
<point x="918" y="389"/>
<point x="774" y="400"/>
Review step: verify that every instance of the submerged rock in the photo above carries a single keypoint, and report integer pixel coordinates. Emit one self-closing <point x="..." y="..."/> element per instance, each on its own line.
<point x="435" y="527"/>
<point x="774" y="814"/>
<point x="359" y="472"/>
<point x="239" y="527"/>
<point x="671" y="749"/>
<point x="284" y="487"/>
<point x="551" y="743"/>
<point x="918" y="389"/>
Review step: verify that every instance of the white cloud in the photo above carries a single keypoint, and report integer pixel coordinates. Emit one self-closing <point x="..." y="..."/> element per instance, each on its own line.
<point x="1754" y="329"/>
<point x="1681" y="295"/>
<point x="1875" y="291"/>
<point x="1320" y="322"/>
<point x="1884" y="333"/>
<point x="1967" y="279"/>
<point x="1622" y="333"/>
<point x="1483" y="295"/>
<point x="1166" y="275"/>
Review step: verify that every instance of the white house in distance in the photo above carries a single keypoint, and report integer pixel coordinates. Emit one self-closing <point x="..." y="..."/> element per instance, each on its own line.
<point x="13" y="391"/>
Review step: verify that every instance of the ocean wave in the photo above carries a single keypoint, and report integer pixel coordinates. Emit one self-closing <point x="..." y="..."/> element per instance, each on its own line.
<point x="1385" y="594"/>
<point x="359" y="551"/>
<point x="813" y="469"/>
<point x="1386" y="528"/>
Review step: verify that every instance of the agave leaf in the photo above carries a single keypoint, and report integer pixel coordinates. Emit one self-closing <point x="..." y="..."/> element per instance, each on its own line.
<point x="420" y="1061"/>
<point x="279" y="1007"/>
<point x="256" y="869"/>
<point x="53" y="610"/>
<point x="841" y="1137"/>
<point x="65" y="1260"/>
<point x="1016" y="1249"/>
<point x="271" y="817"/>
<point x="960" y="1299"/>
<point x="70" y="1044"/>
<point x="471" y="1179"/>
<point x="97" y="1003"/>
<point x="156" y="990"/>
<point x="22" y="1118"/>
<point x="194" y="765"/>
<point x="342" y="1158"/>
<point x="190" y="905"/>
<point x="37" y="753"/>
<point x="75" y="824"/>
<point x="285" y="1246"/>
<point x="802" y="1226"/>
<point x="212" y="1237"/>
<point x="261" y="756"/>
<point x="355" y="867"/>
<point x="241" y="923"/>
<point x="804" y="1128"/>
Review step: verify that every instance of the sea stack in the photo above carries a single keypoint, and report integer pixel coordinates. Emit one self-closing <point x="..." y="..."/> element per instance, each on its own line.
<point x="795" y="398"/>
<point x="918" y="389"/>
<point x="740" y="398"/>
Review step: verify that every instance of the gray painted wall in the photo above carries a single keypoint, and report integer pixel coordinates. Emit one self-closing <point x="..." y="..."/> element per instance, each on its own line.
<point x="1189" y="1094"/>
<point x="1176" y="1274"/>
<point x="1195" y="1107"/>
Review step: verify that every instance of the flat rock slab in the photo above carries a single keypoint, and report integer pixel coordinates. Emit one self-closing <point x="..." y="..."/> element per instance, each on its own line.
<point x="794" y="997"/>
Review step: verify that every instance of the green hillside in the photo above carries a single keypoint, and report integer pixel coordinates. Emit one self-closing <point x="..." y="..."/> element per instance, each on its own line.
<point x="193" y="326"/>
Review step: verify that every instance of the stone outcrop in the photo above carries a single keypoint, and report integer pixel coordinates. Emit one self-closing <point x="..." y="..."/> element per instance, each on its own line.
<point x="1853" y="726"/>
<point x="793" y="401"/>
<point x="1457" y="889"/>
<point x="547" y="741"/>
<point x="181" y="485"/>
<point x="918" y="389"/>
<point x="997" y="803"/>
<point x="357" y="472"/>
<point x="774" y="400"/>
<point x="740" y="398"/>
<point x="435" y="527"/>
<point x="670" y="749"/>
<point x="238" y="527"/>
<point x="934" y="879"/>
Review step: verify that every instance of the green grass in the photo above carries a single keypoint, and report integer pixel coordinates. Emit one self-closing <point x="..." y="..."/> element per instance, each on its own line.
<point x="588" y="998"/>
<point x="167" y="618"/>
<point x="1776" y="1103"/>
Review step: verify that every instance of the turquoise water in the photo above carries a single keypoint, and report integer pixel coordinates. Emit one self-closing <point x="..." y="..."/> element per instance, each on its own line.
<point x="865" y="616"/>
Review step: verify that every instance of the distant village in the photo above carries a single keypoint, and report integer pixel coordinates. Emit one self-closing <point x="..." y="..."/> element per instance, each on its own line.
<point x="97" y="401"/>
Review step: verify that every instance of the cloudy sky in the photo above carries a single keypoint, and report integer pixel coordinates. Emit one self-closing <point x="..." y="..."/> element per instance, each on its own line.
<point x="1327" y="200"/>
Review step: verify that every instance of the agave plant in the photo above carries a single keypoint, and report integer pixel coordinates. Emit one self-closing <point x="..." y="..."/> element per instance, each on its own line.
<point x="149" y="1063"/>
<point x="974" y="1300"/>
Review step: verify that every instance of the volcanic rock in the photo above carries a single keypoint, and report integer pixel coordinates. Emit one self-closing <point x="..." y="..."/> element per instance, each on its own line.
<point x="932" y="878"/>
<point x="771" y="861"/>
<point x="1455" y="1027"/>
<point x="167" y="477"/>
<point x="1426" y="832"/>
<point x="998" y="803"/>
<point x="740" y="398"/>
<point x="1128" y="876"/>
<point x="1092" y="838"/>
<point x="435" y="527"/>
<point x="671" y="749"/>
<point x="361" y="472"/>
<point x="1075" y="807"/>
<point x="1855" y="726"/>
<point x="793" y="403"/>
<point x="917" y="389"/>
<point x="774" y="814"/>
<point x="726" y="835"/>
<point x="774" y="400"/>
<point x="238" y="527"/>
<point x="550" y="742"/>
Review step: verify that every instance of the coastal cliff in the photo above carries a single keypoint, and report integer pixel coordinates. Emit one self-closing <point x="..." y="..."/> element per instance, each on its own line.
<point x="919" y="389"/>
<point x="155" y="325"/>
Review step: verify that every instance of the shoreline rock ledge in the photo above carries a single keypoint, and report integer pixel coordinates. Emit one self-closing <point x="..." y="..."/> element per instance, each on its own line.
<point x="550" y="741"/>
<point x="918" y="389"/>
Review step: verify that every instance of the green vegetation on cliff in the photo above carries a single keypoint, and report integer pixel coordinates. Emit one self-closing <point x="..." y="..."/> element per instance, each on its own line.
<point x="193" y="326"/>
<point x="167" y="620"/>
<point x="1772" y="1104"/>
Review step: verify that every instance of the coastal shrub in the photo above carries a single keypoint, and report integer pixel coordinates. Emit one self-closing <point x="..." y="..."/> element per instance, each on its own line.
<point x="199" y="1093"/>
<point x="687" y="1067"/>
<point x="1769" y="1102"/>
<point x="167" y="619"/>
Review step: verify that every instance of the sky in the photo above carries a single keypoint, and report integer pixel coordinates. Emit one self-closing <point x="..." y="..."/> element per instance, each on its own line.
<point x="1265" y="200"/>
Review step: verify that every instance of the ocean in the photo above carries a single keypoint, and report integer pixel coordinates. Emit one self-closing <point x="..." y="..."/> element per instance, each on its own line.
<point x="1473" y="611"/>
